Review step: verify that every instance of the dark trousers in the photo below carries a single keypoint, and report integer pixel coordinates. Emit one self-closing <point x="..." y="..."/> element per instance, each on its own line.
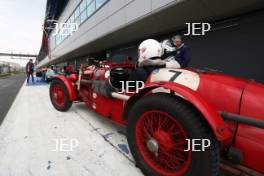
<point x="28" y="76"/>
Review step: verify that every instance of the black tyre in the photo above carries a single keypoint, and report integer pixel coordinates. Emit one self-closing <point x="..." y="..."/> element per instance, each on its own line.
<point x="158" y="127"/>
<point x="59" y="95"/>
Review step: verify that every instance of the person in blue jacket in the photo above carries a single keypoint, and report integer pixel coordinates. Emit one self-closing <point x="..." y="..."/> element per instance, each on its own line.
<point x="179" y="51"/>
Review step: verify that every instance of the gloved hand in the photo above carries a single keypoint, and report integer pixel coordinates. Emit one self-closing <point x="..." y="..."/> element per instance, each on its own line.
<point x="150" y="62"/>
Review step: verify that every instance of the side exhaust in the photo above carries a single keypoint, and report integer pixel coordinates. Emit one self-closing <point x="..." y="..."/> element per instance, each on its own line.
<point x="243" y="119"/>
<point x="101" y="87"/>
<point x="120" y="96"/>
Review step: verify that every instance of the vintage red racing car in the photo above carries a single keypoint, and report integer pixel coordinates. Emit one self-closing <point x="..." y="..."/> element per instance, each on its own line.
<point x="174" y="107"/>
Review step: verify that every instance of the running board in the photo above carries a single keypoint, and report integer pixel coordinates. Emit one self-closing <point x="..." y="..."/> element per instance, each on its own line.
<point x="236" y="169"/>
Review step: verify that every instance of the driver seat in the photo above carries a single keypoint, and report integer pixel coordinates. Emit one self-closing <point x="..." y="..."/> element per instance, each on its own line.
<point x="140" y="74"/>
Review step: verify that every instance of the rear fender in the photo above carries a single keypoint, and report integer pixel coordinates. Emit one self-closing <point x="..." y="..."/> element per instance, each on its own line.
<point x="69" y="86"/>
<point x="215" y="121"/>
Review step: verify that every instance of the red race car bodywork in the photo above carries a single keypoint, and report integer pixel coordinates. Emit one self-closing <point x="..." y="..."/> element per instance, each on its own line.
<point x="232" y="107"/>
<point x="243" y="97"/>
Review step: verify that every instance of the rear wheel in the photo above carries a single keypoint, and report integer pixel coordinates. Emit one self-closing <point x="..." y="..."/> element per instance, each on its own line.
<point x="158" y="127"/>
<point x="59" y="95"/>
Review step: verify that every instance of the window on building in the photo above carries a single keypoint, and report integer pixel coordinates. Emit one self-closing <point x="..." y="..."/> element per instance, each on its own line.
<point x="77" y="12"/>
<point x="91" y="8"/>
<point x="84" y="10"/>
<point x="66" y="29"/>
<point x="63" y="31"/>
<point x="60" y="38"/>
<point x="88" y="2"/>
<point x="83" y="16"/>
<point x="72" y="18"/>
<point x="78" y="20"/>
<point x="83" y="6"/>
<point x="99" y="3"/>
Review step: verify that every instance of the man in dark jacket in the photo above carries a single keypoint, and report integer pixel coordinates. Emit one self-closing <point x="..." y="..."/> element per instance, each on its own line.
<point x="182" y="53"/>
<point x="177" y="50"/>
<point x="30" y="70"/>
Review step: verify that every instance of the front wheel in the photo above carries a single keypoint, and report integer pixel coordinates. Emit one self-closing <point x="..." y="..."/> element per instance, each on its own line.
<point x="59" y="95"/>
<point x="158" y="127"/>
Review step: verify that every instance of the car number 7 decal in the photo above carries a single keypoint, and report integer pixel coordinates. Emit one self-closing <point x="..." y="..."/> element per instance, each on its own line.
<point x="176" y="74"/>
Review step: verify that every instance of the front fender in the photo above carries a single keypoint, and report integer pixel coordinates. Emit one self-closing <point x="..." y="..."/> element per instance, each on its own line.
<point x="210" y="114"/>
<point x="69" y="86"/>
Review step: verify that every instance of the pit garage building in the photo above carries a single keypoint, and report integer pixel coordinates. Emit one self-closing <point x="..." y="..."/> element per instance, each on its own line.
<point x="114" y="28"/>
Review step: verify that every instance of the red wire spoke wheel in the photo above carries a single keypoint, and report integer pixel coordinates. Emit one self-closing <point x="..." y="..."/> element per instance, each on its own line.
<point x="59" y="95"/>
<point x="162" y="141"/>
<point x="158" y="126"/>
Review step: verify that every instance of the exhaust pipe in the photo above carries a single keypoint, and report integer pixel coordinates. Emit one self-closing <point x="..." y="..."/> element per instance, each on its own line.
<point x="106" y="92"/>
<point x="120" y="96"/>
<point x="243" y="119"/>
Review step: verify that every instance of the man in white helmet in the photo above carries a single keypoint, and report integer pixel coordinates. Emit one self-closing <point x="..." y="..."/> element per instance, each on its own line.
<point x="150" y="52"/>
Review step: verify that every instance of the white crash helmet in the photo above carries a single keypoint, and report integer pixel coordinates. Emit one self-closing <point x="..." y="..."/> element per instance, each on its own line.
<point x="152" y="49"/>
<point x="149" y="48"/>
<point x="167" y="46"/>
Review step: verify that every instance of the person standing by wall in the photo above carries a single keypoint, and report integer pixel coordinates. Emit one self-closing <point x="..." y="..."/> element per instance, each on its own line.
<point x="182" y="53"/>
<point x="177" y="50"/>
<point x="30" y="70"/>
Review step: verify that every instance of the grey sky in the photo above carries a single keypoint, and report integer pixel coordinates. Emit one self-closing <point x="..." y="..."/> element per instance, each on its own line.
<point x="21" y="25"/>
